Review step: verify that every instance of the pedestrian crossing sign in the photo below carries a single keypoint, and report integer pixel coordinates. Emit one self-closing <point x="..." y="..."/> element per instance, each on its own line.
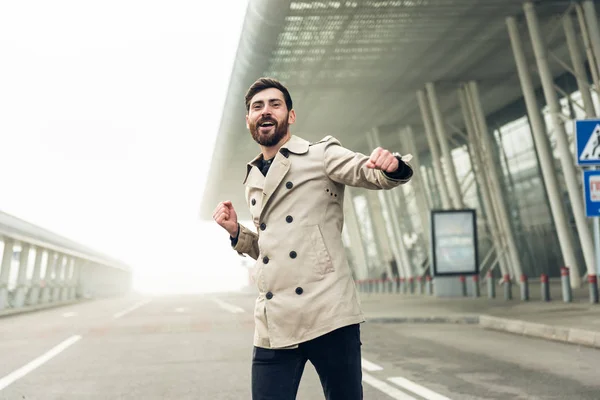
<point x="587" y="138"/>
<point x="591" y="189"/>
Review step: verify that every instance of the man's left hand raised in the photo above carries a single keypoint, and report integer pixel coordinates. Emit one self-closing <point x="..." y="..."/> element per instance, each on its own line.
<point x="382" y="159"/>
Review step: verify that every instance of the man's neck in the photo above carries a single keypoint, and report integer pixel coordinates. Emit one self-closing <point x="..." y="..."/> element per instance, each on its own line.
<point x="270" y="152"/>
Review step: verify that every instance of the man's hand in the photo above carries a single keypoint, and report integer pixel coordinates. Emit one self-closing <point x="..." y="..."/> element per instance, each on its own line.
<point x="383" y="159"/>
<point x="226" y="216"/>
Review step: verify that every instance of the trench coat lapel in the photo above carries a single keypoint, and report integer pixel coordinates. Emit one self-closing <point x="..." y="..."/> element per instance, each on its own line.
<point x="277" y="171"/>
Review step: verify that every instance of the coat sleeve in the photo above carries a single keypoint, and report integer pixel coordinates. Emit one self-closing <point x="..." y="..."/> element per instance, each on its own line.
<point x="350" y="168"/>
<point x="247" y="242"/>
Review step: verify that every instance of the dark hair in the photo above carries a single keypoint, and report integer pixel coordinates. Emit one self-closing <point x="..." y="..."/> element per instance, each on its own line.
<point x="267" y="83"/>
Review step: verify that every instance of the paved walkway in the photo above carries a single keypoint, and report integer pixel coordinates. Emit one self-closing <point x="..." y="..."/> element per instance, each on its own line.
<point x="576" y="322"/>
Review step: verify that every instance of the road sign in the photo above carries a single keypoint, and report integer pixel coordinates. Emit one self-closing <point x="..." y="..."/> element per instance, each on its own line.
<point x="587" y="137"/>
<point x="591" y="190"/>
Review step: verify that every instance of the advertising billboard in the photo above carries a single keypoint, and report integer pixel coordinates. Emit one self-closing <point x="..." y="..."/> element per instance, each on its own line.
<point x="454" y="242"/>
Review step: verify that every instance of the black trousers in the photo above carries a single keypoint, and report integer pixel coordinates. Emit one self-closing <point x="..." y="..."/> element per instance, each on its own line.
<point x="336" y="357"/>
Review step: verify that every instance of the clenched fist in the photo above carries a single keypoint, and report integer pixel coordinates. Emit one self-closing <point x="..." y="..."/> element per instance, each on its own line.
<point x="225" y="216"/>
<point x="383" y="159"/>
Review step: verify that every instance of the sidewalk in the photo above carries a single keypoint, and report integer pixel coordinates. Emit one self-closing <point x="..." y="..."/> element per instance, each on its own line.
<point x="577" y="322"/>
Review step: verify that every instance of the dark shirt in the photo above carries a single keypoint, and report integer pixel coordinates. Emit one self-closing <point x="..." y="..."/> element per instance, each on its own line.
<point x="403" y="172"/>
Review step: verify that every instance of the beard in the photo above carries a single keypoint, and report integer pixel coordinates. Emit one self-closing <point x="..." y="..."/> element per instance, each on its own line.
<point x="278" y="131"/>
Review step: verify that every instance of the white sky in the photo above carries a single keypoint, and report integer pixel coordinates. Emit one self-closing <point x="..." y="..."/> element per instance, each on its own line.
<point x="108" y="115"/>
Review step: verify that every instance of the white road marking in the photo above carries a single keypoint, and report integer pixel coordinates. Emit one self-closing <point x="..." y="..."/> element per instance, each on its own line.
<point x="385" y="388"/>
<point x="369" y="366"/>
<point x="69" y="314"/>
<point x="228" y="307"/>
<point x="27" y="368"/>
<point x="422" y="391"/>
<point x="130" y="309"/>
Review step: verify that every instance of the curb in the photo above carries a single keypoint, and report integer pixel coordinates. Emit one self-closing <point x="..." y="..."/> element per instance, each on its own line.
<point x="562" y="334"/>
<point x="426" y="320"/>
<point x="29" y="309"/>
<point x="549" y="332"/>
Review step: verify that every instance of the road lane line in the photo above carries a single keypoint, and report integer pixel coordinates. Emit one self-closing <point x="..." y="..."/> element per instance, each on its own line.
<point x="369" y="366"/>
<point x="385" y="388"/>
<point x="69" y="314"/>
<point x="27" y="368"/>
<point x="130" y="309"/>
<point x="422" y="391"/>
<point x="228" y="307"/>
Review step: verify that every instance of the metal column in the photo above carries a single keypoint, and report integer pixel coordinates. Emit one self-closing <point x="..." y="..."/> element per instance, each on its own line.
<point x="398" y="244"/>
<point x="482" y="181"/>
<point x="58" y="278"/>
<point x="433" y="148"/>
<point x="418" y="184"/>
<point x="5" y="271"/>
<point x="591" y="21"/>
<point x="542" y="145"/>
<point x="578" y="66"/>
<point x="454" y="186"/>
<point x="562" y="144"/>
<point x="496" y="189"/>
<point x="22" y="276"/>
<point x="380" y="233"/>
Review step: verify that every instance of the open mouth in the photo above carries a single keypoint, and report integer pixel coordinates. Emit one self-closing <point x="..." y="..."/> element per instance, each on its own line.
<point x="266" y="126"/>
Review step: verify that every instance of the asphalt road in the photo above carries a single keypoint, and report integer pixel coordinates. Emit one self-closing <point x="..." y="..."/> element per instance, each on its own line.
<point x="199" y="347"/>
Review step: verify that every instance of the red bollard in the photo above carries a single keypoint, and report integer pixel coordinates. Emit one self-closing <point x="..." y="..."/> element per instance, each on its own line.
<point x="545" y="288"/>
<point x="428" y="285"/>
<point x="507" y="287"/>
<point x="593" y="281"/>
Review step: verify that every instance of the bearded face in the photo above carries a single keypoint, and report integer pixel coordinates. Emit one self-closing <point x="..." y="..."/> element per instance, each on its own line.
<point x="268" y="131"/>
<point x="268" y="118"/>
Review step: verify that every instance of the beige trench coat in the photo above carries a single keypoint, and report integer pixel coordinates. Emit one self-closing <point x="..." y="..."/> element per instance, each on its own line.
<point x="305" y="285"/>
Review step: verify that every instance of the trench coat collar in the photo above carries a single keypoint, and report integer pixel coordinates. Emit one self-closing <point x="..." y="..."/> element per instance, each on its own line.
<point x="294" y="145"/>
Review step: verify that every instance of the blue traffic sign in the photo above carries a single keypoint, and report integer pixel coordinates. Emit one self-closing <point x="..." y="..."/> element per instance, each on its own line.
<point x="587" y="139"/>
<point x="591" y="190"/>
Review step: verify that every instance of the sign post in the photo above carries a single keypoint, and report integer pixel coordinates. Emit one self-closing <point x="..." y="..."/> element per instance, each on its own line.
<point x="587" y="144"/>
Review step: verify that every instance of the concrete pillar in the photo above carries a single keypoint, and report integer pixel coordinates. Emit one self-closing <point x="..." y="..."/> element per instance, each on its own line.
<point x="77" y="263"/>
<point x="47" y="287"/>
<point x="453" y="185"/>
<point x="562" y="144"/>
<point x="495" y="187"/>
<point x="442" y="186"/>
<point x="356" y="241"/>
<point x="21" y="288"/>
<point x="482" y="181"/>
<point x="386" y="198"/>
<point x="5" y="271"/>
<point x="66" y="284"/>
<point x="34" y="292"/>
<point x="58" y="281"/>
<point x="578" y="66"/>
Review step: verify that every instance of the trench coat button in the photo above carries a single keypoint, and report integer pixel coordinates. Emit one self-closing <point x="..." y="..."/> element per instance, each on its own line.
<point x="289" y="185"/>
<point x="293" y="254"/>
<point x="289" y="218"/>
<point x="269" y="295"/>
<point x="253" y="201"/>
<point x="263" y="226"/>
<point x="299" y="291"/>
<point x="266" y="259"/>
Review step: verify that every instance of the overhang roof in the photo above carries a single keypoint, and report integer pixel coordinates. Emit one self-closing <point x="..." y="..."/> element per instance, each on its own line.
<point x="354" y="65"/>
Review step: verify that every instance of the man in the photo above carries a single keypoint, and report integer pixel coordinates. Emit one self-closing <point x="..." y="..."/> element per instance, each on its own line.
<point x="307" y="307"/>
